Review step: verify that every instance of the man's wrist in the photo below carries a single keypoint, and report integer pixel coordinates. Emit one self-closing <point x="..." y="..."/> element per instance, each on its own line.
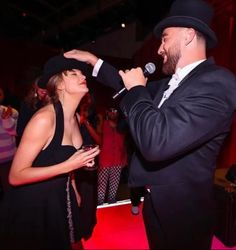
<point x="97" y="67"/>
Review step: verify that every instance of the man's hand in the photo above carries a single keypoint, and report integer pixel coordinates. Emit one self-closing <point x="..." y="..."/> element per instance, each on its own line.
<point x="83" y="56"/>
<point x="133" y="77"/>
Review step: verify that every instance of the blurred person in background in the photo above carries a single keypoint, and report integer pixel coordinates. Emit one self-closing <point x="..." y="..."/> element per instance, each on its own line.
<point x="8" y="121"/>
<point x="136" y="193"/>
<point x="35" y="99"/>
<point x="113" y="157"/>
<point x="86" y="181"/>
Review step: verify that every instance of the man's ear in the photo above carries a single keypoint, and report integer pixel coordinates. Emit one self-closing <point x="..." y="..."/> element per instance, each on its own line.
<point x="190" y="35"/>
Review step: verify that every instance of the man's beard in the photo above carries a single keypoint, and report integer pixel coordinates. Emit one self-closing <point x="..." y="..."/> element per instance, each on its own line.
<point x="172" y="59"/>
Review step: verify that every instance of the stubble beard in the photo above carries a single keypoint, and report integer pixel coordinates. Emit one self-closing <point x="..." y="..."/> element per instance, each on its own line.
<point x="173" y="56"/>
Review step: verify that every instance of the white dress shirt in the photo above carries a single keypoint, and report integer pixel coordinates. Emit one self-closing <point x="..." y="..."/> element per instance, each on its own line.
<point x="96" y="67"/>
<point x="177" y="77"/>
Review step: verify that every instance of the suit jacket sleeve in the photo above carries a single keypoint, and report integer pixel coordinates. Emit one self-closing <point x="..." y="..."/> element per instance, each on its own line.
<point x="109" y="76"/>
<point x="197" y="111"/>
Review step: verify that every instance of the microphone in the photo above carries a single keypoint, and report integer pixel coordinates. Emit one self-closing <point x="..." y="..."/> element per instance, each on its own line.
<point x="148" y="70"/>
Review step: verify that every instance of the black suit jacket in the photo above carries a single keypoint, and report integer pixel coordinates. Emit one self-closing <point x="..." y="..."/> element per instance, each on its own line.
<point x="178" y="144"/>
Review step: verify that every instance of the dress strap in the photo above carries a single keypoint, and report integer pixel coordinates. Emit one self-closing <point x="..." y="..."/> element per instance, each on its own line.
<point x="59" y="129"/>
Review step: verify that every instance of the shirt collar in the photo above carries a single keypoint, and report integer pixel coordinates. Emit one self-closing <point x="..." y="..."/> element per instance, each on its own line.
<point x="181" y="73"/>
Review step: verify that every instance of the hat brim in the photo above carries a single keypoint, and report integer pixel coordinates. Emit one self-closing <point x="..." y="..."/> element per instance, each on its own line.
<point x="59" y="64"/>
<point x="188" y="22"/>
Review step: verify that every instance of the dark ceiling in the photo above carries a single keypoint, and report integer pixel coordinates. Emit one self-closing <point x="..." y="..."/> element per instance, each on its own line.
<point x="71" y="23"/>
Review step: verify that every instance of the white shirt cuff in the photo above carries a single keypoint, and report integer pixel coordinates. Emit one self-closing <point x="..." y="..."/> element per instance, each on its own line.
<point x="97" y="67"/>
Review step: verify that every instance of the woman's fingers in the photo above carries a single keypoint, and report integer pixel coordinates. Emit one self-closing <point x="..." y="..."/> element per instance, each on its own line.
<point x="86" y="157"/>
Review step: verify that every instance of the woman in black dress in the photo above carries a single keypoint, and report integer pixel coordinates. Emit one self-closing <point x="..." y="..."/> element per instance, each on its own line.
<point x="41" y="212"/>
<point x="86" y="181"/>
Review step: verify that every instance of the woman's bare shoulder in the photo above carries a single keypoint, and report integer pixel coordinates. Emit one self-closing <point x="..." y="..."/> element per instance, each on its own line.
<point x="44" y="117"/>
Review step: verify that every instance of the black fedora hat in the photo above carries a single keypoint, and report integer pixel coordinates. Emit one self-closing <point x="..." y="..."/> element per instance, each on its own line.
<point x="195" y="14"/>
<point x="57" y="64"/>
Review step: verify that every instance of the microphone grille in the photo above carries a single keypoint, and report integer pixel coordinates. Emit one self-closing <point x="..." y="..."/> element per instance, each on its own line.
<point x="150" y="67"/>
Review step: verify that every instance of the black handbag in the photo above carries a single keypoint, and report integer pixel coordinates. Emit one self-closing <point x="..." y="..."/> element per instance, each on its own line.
<point x="231" y="174"/>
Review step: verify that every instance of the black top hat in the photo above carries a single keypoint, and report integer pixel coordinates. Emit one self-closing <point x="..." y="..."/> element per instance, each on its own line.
<point x="58" y="64"/>
<point x="195" y="14"/>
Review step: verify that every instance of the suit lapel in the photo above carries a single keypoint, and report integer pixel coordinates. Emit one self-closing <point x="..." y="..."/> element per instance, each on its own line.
<point x="157" y="94"/>
<point x="196" y="71"/>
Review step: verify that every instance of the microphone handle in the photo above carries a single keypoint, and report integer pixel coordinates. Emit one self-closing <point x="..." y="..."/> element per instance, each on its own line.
<point x="118" y="93"/>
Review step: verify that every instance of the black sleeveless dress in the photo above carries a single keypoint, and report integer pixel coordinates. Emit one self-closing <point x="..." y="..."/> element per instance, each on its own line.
<point x="42" y="215"/>
<point x="86" y="182"/>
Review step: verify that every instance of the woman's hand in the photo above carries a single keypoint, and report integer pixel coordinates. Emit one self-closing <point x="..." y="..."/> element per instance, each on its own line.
<point x="83" y="158"/>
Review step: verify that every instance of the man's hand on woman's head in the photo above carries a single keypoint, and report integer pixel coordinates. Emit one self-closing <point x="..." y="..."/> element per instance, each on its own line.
<point x="83" y="56"/>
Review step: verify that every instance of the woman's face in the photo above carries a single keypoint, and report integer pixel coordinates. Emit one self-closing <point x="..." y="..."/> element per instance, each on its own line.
<point x="75" y="81"/>
<point x="112" y="114"/>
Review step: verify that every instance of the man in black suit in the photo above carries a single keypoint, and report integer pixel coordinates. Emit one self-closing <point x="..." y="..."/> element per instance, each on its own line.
<point x="178" y="125"/>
